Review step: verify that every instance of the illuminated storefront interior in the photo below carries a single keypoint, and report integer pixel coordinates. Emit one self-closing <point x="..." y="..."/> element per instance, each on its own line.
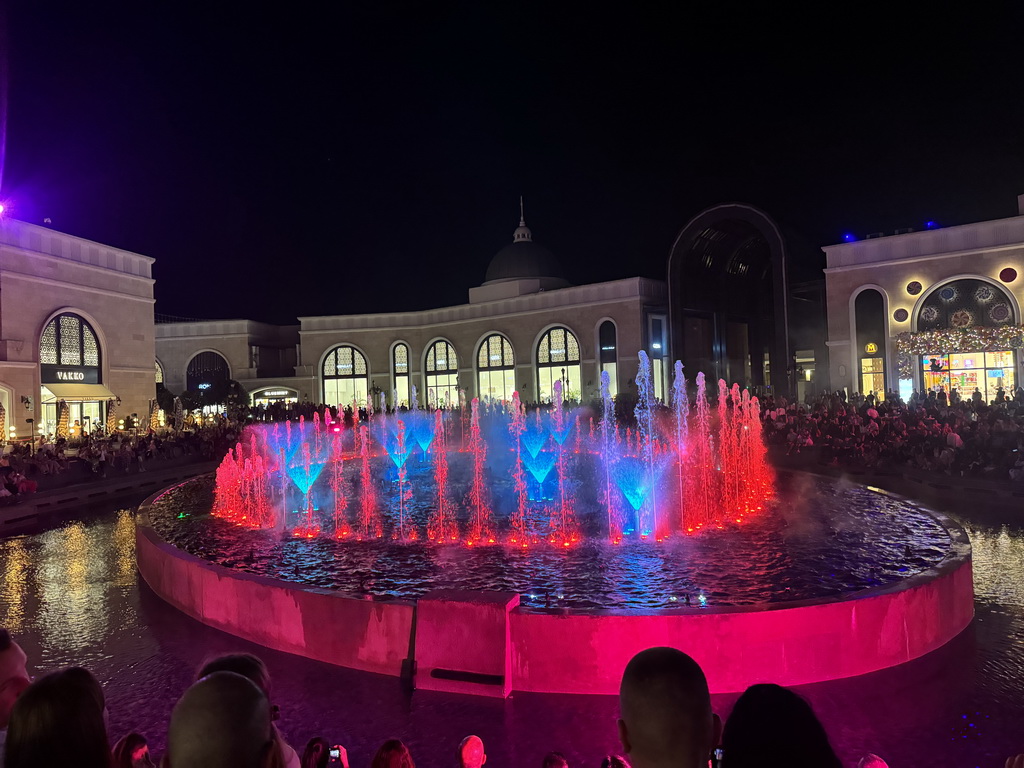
<point x="442" y="375"/>
<point x="558" y="359"/>
<point x="988" y="372"/>
<point x="496" y="370"/>
<point x="345" y="381"/>
<point x="70" y="371"/>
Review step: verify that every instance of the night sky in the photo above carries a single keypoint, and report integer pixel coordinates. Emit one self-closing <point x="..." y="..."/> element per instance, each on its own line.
<point x="300" y="162"/>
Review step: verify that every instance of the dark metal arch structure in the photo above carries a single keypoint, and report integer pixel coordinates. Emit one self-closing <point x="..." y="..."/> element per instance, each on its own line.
<point x="728" y="297"/>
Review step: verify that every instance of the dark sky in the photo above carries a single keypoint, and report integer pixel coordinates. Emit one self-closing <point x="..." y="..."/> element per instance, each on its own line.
<point x="300" y="162"/>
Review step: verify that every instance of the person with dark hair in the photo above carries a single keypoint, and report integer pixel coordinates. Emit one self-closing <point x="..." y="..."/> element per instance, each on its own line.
<point x="316" y="754"/>
<point x="771" y="724"/>
<point x="60" y="719"/>
<point x="471" y="752"/>
<point x="615" y="761"/>
<point x="665" y="711"/>
<point x="252" y="667"/>
<point x="13" y="680"/>
<point x="554" y="760"/>
<point x="392" y="754"/>
<point x="222" y="721"/>
<point x="132" y="751"/>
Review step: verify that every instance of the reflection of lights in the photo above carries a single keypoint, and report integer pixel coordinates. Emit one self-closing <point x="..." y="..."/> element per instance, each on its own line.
<point x="12" y="591"/>
<point x="703" y="600"/>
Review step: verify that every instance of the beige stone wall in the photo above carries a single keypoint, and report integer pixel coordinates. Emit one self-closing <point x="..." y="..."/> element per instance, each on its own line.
<point x="522" y="330"/>
<point x="110" y="288"/>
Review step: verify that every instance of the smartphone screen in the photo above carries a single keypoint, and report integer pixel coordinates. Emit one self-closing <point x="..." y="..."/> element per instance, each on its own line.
<point x="335" y="753"/>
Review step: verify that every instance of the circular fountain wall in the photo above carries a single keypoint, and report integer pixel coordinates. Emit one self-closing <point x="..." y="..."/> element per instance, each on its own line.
<point x="533" y="580"/>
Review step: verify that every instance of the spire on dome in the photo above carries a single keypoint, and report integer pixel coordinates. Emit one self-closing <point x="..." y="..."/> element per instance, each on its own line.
<point x="522" y="233"/>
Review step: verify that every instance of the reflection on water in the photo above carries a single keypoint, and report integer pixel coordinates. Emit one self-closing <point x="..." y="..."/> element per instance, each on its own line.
<point x="70" y="595"/>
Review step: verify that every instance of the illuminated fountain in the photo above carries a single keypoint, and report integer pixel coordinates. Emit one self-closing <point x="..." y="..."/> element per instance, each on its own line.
<point x="492" y="474"/>
<point x="584" y="535"/>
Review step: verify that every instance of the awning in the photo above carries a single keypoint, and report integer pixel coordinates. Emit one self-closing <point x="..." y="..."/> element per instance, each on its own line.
<point x="77" y="392"/>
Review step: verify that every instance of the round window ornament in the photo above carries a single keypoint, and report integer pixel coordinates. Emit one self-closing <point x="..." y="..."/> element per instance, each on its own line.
<point x="914" y="288"/>
<point x="1008" y="275"/>
<point x="900" y="315"/>
<point x="871" y="348"/>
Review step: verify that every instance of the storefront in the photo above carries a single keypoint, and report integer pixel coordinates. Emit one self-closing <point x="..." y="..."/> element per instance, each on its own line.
<point x="265" y="397"/>
<point x="70" y="370"/>
<point x="988" y="372"/>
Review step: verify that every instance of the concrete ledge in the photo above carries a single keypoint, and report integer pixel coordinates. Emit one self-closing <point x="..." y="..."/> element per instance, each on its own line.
<point x="502" y="647"/>
<point x="370" y="635"/>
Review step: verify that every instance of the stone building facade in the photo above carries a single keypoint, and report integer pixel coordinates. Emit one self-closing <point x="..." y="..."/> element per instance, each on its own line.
<point x="76" y="324"/>
<point x="935" y="309"/>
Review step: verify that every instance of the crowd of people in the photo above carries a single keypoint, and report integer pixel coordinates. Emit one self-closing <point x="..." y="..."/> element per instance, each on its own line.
<point x="932" y="431"/>
<point x="225" y="719"/>
<point x="24" y="468"/>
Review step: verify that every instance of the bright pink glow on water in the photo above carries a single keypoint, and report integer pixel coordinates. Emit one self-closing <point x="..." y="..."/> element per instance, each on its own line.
<point x="442" y="525"/>
<point x="481" y="524"/>
<point x="519" y="531"/>
<point x="370" y="524"/>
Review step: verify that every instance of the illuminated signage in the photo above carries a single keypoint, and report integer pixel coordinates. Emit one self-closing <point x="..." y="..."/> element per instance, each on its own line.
<point x="71" y="374"/>
<point x="204" y="385"/>
<point x="275" y="393"/>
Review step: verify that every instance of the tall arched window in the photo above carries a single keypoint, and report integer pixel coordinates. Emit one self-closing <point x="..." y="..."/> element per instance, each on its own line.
<point x="159" y="373"/>
<point x="400" y="371"/>
<point x="964" y="304"/>
<point x="206" y="370"/>
<point x="496" y="369"/>
<point x="69" y="357"/>
<point x="442" y="375"/>
<point x="609" y="355"/>
<point x="345" y="379"/>
<point x="558" y="359"/>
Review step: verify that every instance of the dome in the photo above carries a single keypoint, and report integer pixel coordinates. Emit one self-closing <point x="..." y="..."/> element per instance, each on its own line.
<point x="523" y="259"/>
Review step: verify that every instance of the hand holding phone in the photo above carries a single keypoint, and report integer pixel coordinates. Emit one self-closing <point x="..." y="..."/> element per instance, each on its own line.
<point x="340" y="754"/>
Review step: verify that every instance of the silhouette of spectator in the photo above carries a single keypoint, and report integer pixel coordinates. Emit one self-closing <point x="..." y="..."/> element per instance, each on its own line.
<point x="132" y="751"/>
<point x="392" y="754"/>
<point x="60" y="719"/>
<point x="471" y="752"/>
<point x="665" y="711"/>
<point x="555" y="760"/>
<point x="770" y="724"/>
<point x="222" y="721"/>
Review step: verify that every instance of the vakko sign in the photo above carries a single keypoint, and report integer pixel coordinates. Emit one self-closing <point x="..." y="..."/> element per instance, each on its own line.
<point x="69" y="374"/>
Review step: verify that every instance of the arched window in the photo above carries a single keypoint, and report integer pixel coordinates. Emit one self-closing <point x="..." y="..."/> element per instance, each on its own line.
<point x="69" y="340"/>
<point x="496" y="369"/>
<point x="345" y="379"/>
<point x="869" y="312"/>
<point x="609" y="355"/>
<point x="159" y="373"/>
<point x="442" y="375"/>
<point x="558" y="359"/>
<point x="206" y="370"/>
<point x="964" y="304"/>
<point x="400" y="371"/>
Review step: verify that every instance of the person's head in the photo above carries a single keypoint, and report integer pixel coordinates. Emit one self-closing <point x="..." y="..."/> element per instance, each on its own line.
<point x="222" y="720"/>
<point x="471" y="752"/>
<point x="392" y="754"/>
<point x="316" y="754"/>
<point x="245" y="664"/>
<point x="13" y="675"/>
<point x="769" y="724"/>
<point x="554" y="760"/>
<point x="665" y="710"/>
<point x="614" y="761"/>
<point x="59" y="720"/>
<point x="132" y="751"/>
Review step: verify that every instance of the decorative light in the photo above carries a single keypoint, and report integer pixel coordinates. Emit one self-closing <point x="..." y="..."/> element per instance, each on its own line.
<point x="931" y="225"/>
<point x="955" y="340"/>
<point x="848" y="238"/>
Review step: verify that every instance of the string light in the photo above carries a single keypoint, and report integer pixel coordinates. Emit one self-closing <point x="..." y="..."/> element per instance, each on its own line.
<point x="952" y="340"/>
